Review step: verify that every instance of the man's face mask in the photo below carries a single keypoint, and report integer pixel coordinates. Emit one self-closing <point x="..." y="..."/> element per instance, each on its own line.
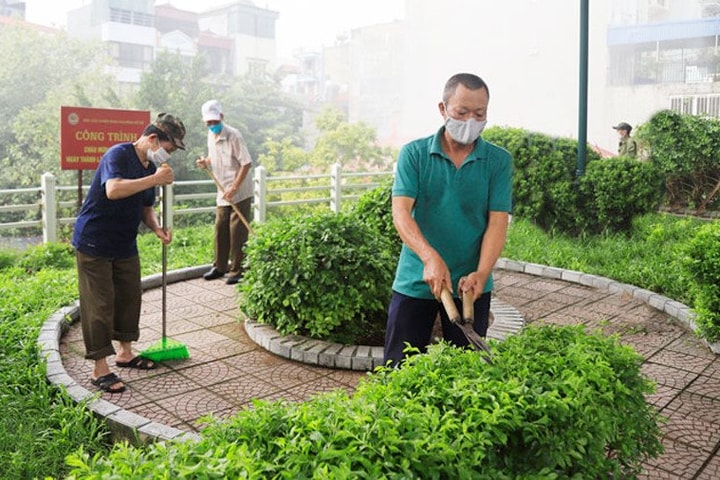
<point x="216" y="128"/>
<point x="159" y="156"/>
<point x="465" y="132"/>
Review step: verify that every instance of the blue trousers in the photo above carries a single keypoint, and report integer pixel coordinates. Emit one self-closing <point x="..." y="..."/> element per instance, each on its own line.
<point x="410" y="320"/>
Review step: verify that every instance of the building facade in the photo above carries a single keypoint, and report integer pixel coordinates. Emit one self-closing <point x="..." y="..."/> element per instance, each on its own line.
<point x="236" y="40"/>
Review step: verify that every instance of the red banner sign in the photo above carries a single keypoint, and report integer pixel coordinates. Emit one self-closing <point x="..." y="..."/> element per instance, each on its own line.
<point x="87" y="133"/>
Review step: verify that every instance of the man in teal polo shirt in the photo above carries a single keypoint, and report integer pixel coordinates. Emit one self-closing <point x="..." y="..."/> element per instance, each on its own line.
<point x="451" y="201"/>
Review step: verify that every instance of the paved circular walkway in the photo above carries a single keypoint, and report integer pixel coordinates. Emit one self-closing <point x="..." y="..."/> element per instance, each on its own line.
<point x="227" y="369"/>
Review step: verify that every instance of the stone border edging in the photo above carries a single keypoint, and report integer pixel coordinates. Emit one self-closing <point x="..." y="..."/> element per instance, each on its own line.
<point x="358" y="357"/>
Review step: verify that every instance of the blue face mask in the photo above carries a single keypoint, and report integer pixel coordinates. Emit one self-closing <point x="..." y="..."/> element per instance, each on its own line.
<point x="217" y="128"/>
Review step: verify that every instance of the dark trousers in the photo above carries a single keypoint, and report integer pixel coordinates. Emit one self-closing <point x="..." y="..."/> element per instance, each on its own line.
<point x="411" y="320"/>
<point x="110" y="295"/>
<point x="230" y="237"/>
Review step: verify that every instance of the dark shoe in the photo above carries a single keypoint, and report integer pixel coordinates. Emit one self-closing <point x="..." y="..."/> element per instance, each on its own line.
<point x="213" y="274"/>
<point x="233" y="280"/>
<point x="106" y="383"/>
<point x="140" y="363"/>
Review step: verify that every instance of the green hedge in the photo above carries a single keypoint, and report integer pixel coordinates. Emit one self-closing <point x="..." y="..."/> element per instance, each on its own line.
<point x="556" y="403"/>
<point x="325" y="276"/>
<point x="686" y="149"/>
<point x="547" y="191"/>
<point x="702" y="262"/>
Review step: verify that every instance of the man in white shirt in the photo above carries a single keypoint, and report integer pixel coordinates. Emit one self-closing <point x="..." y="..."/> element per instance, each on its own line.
<point x="229" y="160"/>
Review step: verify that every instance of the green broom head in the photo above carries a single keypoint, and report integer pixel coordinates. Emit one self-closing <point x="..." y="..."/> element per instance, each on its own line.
<point x="166" y="349"/>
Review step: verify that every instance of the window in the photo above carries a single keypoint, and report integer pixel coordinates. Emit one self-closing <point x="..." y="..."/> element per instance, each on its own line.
<point x="131" y="55"/>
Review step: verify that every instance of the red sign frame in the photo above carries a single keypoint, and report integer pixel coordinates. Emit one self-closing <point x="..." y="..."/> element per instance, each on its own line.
<point x="87" y="133"/>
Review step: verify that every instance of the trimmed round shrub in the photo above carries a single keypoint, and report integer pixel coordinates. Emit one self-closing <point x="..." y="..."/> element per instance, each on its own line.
<point x="374" y="208"/>
<point x="326" y="276"/>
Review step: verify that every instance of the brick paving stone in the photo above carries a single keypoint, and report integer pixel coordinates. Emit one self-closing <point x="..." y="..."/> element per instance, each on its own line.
<point x="713" y="370"/>
<point x="239" y="391"/>
<point x="199" y="338"/>
<point x="214" y="319"/>
<point x="288" y="375"/>
<point x="210" y="373"/>
<point x="711" y="471"/>
<point x="692" y="346"/>
<point x="166" y="385"/>
<point x="696" y="405"/>
<point x="680" y="461"/>
<point x="683" y="361"/>
<point x="194" y="404"/>
<point x="692" y="432"/>
<point x="668" y="376"/>
<point x="706" y="386"/>
<point x="663" y="396"/>
<point x="231" y="347"/>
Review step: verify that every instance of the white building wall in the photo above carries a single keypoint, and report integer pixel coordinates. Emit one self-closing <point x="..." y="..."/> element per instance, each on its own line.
<point x="526" y="50"/>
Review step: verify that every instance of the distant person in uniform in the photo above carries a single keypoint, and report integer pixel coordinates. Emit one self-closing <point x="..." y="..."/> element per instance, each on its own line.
<point x="627" y="146"/>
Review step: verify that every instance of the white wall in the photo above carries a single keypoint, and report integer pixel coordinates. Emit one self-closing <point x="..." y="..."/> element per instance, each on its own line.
<point x="526" y="50"/>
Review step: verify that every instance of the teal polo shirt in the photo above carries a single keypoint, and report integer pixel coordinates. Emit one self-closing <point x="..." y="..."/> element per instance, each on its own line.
<point x="451" y="206"/>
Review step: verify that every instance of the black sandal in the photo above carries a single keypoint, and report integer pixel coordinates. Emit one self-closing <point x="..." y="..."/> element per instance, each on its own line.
<point x="141" y="363"/>
<point x="106" y="382"/>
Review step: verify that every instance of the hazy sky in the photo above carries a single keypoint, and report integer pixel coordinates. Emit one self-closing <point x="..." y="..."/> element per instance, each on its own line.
<point x="302" y="23"/>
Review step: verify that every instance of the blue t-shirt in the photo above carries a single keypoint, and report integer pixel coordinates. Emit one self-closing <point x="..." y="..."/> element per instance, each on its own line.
<point x="108" y="228"/>
<point x="451" y="206"/>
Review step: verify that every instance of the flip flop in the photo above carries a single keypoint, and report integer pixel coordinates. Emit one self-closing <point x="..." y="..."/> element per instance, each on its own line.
<point x="141" y="363"/>
<point x="106" y="382"/>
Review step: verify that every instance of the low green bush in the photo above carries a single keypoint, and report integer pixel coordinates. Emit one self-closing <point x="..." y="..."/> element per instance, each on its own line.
<point x="702" y="262"/>
<point x="685" y="148"/>
<point x="374" y="208"/>
<point x="547" y="191"/>
<point x="615" y="191"/>
<point x="557" y="403"/>
<point x="326" y="276"/>
<point x="48" y="255"/>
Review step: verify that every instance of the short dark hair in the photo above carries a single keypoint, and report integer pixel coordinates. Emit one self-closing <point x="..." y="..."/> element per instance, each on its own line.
<point x="467" y="80"/>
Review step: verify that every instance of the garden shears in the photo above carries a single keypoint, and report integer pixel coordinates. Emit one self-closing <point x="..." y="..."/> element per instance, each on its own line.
<point x="465" y="323"/>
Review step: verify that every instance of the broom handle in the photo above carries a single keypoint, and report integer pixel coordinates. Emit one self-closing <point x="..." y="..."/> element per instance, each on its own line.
<point x="237" y="210"/>
<point x="164" y="257"/>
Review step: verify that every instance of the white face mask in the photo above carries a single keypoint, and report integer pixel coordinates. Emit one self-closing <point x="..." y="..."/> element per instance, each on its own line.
<point x="465" y="132"/>
<point x="159" y="156"/>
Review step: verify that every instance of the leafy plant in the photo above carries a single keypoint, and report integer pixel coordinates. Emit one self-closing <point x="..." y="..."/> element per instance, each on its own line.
<point x="702" y="262"/>
<point x="374" y="208"/>
<point x="556" y="403"/>
<point x="686" y="149"/>
<point x="326" y="276"/>
<point x="48" y="255"/>
<point x="547" y="190"/>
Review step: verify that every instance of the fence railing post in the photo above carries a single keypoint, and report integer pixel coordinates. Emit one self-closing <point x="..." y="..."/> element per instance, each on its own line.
<point x="259" y="194"/>
<point x="336" y="187"/>
<point x="49" y="207"/>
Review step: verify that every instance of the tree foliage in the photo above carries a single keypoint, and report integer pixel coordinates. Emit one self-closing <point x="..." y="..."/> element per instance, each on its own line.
<point x="41" y="72"/>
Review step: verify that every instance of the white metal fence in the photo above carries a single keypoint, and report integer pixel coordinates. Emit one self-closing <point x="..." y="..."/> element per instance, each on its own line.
<point x="51" y="202"/>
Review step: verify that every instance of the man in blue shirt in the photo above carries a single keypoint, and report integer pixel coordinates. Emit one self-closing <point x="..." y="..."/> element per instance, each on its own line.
<point x="121" y="195"/>
<point x="451" y="201"/>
